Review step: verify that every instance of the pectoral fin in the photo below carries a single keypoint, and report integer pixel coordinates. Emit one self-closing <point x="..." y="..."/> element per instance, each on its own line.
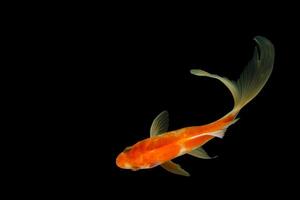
<point x="160" y="124"/>
<point x="200" y="153"/>
<point x="174" y="168"/>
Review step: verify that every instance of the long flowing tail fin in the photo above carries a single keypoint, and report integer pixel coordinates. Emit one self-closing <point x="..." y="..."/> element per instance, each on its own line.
<point x="254" y="76"/>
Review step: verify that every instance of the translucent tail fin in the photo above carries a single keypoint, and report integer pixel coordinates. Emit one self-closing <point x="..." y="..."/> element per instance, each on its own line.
<point x="254" y="76"/>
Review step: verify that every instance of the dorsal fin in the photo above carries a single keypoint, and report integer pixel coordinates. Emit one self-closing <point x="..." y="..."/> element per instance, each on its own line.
<point x="160" y="124"/>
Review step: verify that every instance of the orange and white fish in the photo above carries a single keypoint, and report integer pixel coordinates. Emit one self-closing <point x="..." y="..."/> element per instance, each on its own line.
<point x="163" y="146"/>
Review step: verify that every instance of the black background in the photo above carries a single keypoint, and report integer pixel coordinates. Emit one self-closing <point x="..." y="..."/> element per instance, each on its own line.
<point x="147" y="71"/>
<point x="92" y="82"/>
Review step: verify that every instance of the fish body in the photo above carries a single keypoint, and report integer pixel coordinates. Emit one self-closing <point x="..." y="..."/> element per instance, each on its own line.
<point x="163" y="145"/>
<point x="158" y="149"/>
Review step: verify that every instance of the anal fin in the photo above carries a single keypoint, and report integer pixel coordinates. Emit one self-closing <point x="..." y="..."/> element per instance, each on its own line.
<point x="174" y="168"/>
<point x="200" y="153"/>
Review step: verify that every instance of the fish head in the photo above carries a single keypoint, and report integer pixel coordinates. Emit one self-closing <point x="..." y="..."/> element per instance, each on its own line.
<point x="125" y="161"/>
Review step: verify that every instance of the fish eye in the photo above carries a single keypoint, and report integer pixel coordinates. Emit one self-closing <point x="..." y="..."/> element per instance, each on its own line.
<point x="127" y="149"/>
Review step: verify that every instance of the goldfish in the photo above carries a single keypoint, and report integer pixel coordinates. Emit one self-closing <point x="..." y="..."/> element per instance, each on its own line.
<point x="163" y="146"/>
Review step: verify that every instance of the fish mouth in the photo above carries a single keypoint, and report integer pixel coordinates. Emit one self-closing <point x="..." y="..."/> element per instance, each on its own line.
<point x="119" y="160"/>
<point x="122" y="162"/>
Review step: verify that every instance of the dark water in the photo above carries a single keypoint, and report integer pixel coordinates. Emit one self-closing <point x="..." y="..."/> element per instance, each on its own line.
<point x="96" y="87"/>
<point x="150" y="73"/>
